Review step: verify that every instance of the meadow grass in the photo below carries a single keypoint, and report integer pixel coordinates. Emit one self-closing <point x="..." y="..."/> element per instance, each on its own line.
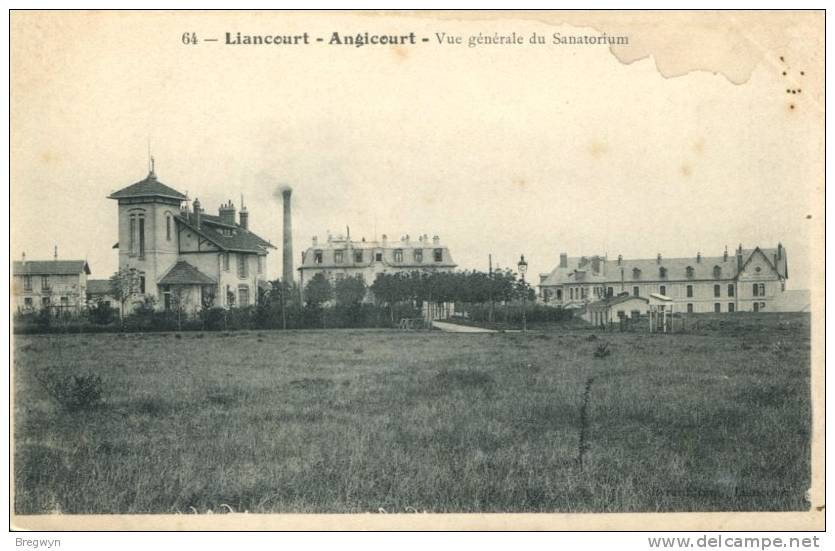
<point x="362" y="420"/>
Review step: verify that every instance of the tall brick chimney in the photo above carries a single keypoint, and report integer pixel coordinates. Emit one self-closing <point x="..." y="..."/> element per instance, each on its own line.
<point x="287" y="249"/>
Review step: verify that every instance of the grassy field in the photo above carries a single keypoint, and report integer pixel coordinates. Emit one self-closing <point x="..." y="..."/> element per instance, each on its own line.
<point x="353" y="421"/>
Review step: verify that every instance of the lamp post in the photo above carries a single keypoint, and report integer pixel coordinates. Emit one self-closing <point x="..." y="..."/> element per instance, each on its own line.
<point x="523" y="267"/>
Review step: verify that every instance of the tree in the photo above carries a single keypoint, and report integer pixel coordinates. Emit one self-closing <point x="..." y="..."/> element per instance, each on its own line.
<point x="124" y="284"/>
<point x="349" y="291"/>
<point x="318" y="291"/>
<point x="180" y="300"/>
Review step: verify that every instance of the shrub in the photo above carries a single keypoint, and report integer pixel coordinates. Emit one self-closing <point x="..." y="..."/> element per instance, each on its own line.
<point x="602" y="350"/>
<point x="74" y="392"/>
<point x="101" y="314"/>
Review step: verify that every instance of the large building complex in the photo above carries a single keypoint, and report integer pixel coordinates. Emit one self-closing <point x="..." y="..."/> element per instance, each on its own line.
<point x="181" y="254"/>
<point x="341" y="257"/>
<point x="747" y="280"/>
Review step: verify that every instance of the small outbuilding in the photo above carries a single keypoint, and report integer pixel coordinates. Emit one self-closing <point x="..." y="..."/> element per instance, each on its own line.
<point x="617" y="308"/>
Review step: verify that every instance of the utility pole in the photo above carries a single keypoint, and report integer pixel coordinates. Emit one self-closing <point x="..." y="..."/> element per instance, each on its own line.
<point x="492" y="300"/>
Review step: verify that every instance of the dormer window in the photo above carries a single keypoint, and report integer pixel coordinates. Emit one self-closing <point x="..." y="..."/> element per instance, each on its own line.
<point x="662" y="273"/>
<point x="338" y="257"/>
<point x="717" y="272"/>
<point x="418" y="255"/>
<point x="358" y="257"/>
<point x="438" y="255"/>
<point x="398" y="255"/>
<point x="690" y="272"/>
<point x="636" y="273"/>
<point x="317" y="257"/>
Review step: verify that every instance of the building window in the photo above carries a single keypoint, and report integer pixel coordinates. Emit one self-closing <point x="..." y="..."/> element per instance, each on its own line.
<point x="166" y="297"/>
<point x="242" y="266"/>
<point x="717" y="290"/>
<point x="141" y="284"/>
<point x="45" y="302"/>
<point x="717" y="272"/>
<point x="358" y="257"/>
<point x="141" y="237"/>
<point x="418" y="255"/>
<point x="689" y="308"/>
<point x="27" y="302"/>
<point x="27" y="283"/>
<point x="689" y="272"/>
<point x="243" y="295"/>
<point x="317" y="257"/>
<point x="584" y="291"/>
<point x="438" y="254"/>
<point x="226" y="262"/>
<point x="663" y="289"/>
<point x="132" y="240"/>
<point x="762" y="292"/>
<point x="378" y="257"/>
<point x="636" y="291"/>
<point x="756" y="307"/>
<point x="610" y="292"/>
<point x="759" y="289"/>
<point x="662" y="272"/>
<point x="731" y="290"/>
<point x="260" y="264"/>
<point x="45" y="283"/>
<point x="168" y="227"/>
<point x="398" y="255"/>
<point x="338" y="256"/>
<point x="689" y="291"/>
<point x="65" y="301"/>
<point x="559" y="294"/>
<point x="731" y="307"/>
<point x="636" y="273"/>
<point x="717" y="307"/>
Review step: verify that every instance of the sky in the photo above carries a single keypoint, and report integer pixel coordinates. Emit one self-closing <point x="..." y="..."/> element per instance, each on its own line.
<point x="500" y="151"/>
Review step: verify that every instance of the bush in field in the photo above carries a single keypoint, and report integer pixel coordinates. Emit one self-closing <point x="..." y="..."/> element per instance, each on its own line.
<point x="73" y="392"/>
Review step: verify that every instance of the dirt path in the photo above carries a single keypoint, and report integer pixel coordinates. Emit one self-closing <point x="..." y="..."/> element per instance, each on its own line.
<point x="455" y="328"/>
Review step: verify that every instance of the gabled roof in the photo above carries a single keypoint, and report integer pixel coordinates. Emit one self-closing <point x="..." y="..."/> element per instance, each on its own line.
<point x="98" y="286"/>
<point x="211" y="228"/>
<point x="50" y="267"/>
<point x="149" y="187"/>
<point x="184" y="273"/>
<point x="609" y="302"/>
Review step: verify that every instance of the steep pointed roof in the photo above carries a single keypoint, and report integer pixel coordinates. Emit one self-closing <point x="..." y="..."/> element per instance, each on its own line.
<point x="184" y="273"/>
<point x="240" y="239"/>
<point x="149" y="187"/>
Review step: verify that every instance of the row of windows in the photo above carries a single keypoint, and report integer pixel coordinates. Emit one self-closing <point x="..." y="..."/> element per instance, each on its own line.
<point x="243" y="264"/>
<point x="27" y="283"/>
<point x="580" y="293"/>
<point x="689" y="271"/>
<point x="28" y="302"/>
<point x="359" y="256"/>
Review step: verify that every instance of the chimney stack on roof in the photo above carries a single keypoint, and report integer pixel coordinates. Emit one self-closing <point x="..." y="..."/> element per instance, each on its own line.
<point x="698" y="257"/>
<point x="563" y="260"/>
<point x="620" y="259"/>
<point x="226" y="213"/>
<point x="55" y="253"/>
<point x="780" y="251"/>
<point x="23" y="256"/>
<point x="725" y="256"/>
<point x="197" y="213"/>
<point x="658" y="259"/>
<point x="436" y="240"/>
